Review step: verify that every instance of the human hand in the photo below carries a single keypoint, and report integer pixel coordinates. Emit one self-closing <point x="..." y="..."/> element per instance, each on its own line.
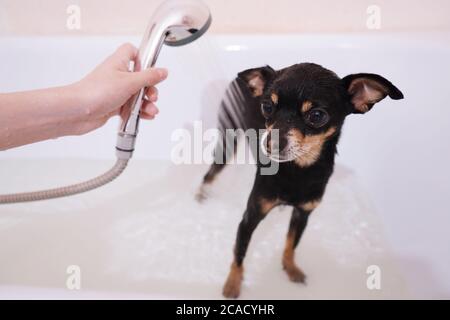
<point x="107" y="90"/>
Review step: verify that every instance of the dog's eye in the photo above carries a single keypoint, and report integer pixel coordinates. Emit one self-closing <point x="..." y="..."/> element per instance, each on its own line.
<point x="317" y="117"/>
<point x="267" y="109"/>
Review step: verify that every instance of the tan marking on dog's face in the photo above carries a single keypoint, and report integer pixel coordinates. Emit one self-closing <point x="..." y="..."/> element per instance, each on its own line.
<point x="306" y="106"/>
<point x="232" y="287"/>
<point x="274" y="98"/>
<point x="311" y="145"/>
<point x="267" y="204"/>
<point x="310" y="205"/>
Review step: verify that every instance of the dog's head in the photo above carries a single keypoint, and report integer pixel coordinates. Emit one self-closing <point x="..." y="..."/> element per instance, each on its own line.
<point x="305" y="106"/>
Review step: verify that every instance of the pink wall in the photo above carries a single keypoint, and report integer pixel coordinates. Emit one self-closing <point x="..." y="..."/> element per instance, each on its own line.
<point x="48" y="17"/>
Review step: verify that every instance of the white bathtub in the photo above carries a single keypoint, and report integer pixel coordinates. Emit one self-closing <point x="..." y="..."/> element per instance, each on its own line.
<point x="144" y="236"/>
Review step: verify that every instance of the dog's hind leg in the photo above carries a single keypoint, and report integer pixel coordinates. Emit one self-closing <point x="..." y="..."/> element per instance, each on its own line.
<point x="230" y="120"/>
<point x="224" y="151"/>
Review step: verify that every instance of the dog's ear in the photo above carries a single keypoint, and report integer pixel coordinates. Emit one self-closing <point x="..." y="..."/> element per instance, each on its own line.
<point x="257" y="78"/>
<point x="366" y="89"/>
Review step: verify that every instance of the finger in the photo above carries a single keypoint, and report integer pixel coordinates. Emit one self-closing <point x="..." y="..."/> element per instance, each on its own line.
<point x="147" y="116"/>
<point x="147" y="78"/>
<point x="149" y="108"/>
<point x="125" y="110"/>
<point x="152" y="94"/>
<point x="123" y="55"/>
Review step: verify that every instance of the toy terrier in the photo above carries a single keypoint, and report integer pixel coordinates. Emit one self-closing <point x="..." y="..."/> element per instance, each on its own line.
<point x="307" y="105"/>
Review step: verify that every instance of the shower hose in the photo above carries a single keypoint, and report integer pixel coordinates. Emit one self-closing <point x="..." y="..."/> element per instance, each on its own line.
<point x="94" y="183"/>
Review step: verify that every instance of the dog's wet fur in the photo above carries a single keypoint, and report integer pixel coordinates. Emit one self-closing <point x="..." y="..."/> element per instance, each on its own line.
<point x="308" y="105"/>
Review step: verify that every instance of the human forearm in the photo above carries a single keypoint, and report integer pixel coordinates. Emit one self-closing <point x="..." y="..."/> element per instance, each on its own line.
<point x="27" y="117"/>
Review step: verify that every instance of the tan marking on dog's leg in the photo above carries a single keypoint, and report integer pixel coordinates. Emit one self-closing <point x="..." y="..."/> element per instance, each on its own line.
<point x="267" y="204"/>
<point x="294" y="273"/>
<point x="310" y="205"/>
<point x="232" y="287"/>
<point x="306" y="106"/>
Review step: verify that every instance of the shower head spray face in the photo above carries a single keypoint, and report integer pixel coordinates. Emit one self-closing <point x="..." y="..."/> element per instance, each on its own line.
<point x="189" y="21"/>
<point x="174" y="23"/>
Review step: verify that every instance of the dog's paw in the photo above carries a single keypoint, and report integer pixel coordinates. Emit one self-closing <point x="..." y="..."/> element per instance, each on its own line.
<point x="200" y="197"/>
<point x="295" y="274"/>
<point x="232" y="288"/>
<point x="202" y="194"/>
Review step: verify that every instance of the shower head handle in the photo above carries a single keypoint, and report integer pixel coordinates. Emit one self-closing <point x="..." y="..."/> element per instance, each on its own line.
<point x="174" y="23"/>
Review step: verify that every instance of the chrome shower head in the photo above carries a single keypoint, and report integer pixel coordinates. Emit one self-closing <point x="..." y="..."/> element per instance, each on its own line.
<point x="174" y="23"/>
<point x="188" y="20"/>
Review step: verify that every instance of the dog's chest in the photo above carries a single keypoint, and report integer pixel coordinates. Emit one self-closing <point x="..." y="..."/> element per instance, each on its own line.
<point x="298" y="186"/>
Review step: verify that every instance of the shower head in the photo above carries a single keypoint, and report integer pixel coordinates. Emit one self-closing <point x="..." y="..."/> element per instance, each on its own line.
<point x="174" y="23"/>
<point x="187" y="21"/>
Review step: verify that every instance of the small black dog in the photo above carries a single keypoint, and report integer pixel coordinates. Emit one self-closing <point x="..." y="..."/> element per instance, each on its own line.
<point x="308" y="105"/>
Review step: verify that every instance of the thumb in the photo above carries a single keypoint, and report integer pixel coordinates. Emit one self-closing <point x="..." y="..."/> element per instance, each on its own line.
<point x="147" y="78"/>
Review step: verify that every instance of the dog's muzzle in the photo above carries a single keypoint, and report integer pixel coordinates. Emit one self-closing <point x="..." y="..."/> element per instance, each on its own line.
<point x="270" y="146"/>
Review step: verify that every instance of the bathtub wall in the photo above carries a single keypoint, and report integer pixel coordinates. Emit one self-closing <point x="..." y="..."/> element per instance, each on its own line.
<point x="49" y="17"/>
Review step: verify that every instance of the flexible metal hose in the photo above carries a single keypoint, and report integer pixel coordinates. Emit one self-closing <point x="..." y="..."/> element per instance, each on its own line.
<point x="99" y="181"/>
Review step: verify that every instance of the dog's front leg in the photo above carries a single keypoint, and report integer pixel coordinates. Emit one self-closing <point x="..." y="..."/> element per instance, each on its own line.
<point x="297" y="225"/>
<point x="257" y="208"/>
